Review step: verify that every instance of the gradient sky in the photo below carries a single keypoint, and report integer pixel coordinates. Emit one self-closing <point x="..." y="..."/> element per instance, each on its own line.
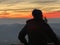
<point x="23" y="8"/>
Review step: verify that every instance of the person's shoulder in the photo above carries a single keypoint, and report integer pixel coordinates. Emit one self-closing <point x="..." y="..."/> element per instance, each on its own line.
<point x="29" y="21"/>
<point x="46" y="23"/>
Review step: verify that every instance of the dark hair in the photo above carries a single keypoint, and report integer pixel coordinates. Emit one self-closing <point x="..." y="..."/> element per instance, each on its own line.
<point x="36" y="13"/>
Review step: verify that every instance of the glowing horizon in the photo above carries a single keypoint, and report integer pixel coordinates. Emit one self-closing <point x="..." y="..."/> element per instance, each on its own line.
<point x="28" y="14"/>
<point x="23" y="8"/>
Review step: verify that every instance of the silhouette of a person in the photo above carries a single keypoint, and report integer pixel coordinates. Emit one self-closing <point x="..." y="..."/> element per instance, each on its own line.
<point x="38" y="31"/>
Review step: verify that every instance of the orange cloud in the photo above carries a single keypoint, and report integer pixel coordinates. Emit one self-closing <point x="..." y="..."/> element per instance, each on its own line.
<point x="55" y="14"/>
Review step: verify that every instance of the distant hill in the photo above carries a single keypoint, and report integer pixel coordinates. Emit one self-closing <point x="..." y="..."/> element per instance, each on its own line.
<point x="56" y="28"/>
<point x="9" y="32"/>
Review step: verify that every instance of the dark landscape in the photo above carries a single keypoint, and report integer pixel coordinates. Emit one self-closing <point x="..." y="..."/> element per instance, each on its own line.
<point x="9" y="32"/>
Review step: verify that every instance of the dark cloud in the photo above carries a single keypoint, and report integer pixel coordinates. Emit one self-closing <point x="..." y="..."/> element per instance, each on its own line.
<point x="10" y="1"/>
<point x="20" y="1"/>
<point x="2" y="1"/>
<point x="39" y="1"/>
<point x="18" y="10"/>
<point x="51" y="8"/>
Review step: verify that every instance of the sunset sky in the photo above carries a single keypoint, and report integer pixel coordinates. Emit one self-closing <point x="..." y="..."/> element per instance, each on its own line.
<point x="23" y="8"/>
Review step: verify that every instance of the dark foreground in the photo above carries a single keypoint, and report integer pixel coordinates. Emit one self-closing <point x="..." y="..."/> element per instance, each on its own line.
<point x="23" y="44"/>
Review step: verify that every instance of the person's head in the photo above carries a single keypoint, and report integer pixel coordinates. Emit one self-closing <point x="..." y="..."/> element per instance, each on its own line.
<point x="37" y="14"/>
